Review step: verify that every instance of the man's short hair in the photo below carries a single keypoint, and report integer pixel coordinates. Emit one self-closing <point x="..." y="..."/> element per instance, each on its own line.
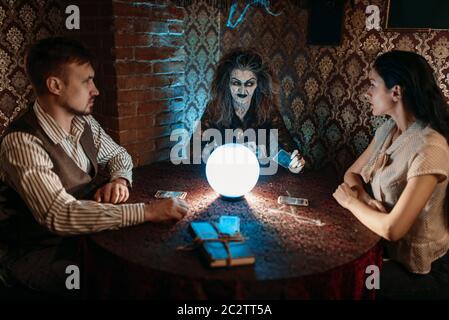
<point x="48" y="56"/>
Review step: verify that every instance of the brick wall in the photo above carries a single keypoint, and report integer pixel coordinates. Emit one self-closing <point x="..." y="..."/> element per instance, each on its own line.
<point x="140" y="74"/>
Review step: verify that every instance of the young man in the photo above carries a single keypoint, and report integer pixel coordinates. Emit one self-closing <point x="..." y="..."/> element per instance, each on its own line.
<point x="49" y="157"/>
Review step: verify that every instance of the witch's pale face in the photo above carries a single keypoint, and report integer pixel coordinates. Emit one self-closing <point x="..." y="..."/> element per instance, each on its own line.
<point x="242" y="84"/>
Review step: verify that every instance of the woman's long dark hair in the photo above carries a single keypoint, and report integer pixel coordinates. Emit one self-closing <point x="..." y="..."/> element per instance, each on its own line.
<point x="420" y="92"/>
<point x="220" y="109"/>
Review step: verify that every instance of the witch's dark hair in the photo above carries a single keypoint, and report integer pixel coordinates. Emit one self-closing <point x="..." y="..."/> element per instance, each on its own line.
<point x="220" y="109"/>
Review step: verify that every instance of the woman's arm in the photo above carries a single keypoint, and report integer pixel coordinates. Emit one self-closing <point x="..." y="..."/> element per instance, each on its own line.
<point x="395" y="225"/>
<point x="353" y="178"/>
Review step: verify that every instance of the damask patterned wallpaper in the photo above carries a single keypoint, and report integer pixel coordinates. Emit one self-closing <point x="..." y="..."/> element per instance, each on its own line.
<point x="323" y="88"/>
<point x="21" y="24"/>
<point x="202" y="39"/>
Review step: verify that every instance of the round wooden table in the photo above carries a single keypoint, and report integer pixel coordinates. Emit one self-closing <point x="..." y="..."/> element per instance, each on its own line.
<point x="295" y="257"/>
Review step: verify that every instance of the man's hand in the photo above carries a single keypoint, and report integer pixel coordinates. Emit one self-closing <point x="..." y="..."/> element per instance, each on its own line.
<point x="113" y="192"/>
<point x="166" y="209"/>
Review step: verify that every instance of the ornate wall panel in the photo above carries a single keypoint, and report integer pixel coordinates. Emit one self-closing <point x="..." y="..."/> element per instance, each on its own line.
<point x="21" y="24"/>
<point x="202" y="38"/>
<point x="323" y="88"/>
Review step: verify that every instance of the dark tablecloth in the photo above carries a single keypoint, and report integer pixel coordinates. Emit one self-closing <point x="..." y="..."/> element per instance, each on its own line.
<point x="294" y="259"/>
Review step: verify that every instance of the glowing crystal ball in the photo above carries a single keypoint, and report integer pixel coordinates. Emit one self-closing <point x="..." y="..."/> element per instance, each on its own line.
<point x="232" y="170"/>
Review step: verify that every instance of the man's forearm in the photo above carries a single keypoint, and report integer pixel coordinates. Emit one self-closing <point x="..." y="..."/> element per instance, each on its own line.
<point x="80" y="217"/>
<point x="114" y="157"/>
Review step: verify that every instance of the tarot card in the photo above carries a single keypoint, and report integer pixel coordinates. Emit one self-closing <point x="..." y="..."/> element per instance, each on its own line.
<point x="163" y="194"/>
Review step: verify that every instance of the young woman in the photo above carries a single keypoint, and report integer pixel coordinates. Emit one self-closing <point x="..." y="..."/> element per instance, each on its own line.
<point x="407" y="167"/>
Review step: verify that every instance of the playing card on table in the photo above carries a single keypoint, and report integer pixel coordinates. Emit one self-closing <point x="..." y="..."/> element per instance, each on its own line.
<point x="162" y="194"/>
<point x="229" y="225"/>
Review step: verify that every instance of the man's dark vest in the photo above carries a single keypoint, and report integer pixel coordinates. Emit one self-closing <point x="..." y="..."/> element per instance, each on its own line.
<point x="78" y="183"/>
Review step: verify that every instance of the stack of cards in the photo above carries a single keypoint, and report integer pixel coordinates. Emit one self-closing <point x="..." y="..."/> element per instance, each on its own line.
<point x="213" y="238"/>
